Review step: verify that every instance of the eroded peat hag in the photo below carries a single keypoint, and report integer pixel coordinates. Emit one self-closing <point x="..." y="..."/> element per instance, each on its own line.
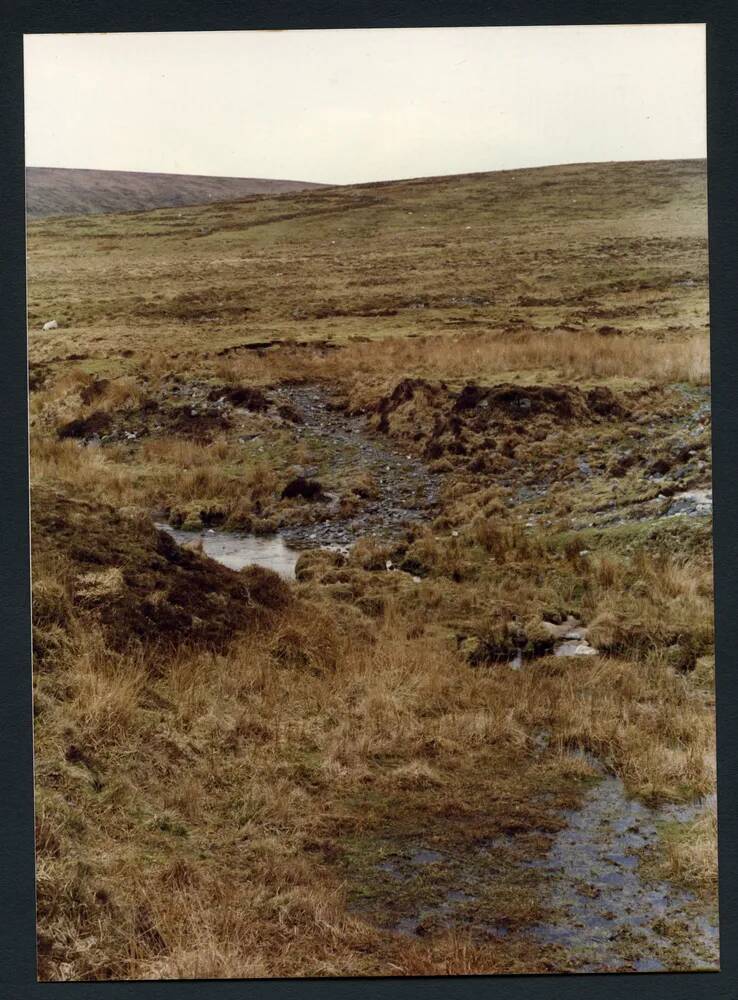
<point x="446" y="703"/>
<point x="384" y="491"/>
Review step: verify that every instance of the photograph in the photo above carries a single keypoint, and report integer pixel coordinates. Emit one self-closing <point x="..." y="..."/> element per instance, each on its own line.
<point x="371" y="502"/>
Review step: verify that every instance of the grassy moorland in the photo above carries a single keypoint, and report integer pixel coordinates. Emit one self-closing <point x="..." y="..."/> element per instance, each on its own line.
<point x="61" y="191"/>
<point x="346" y="774"/>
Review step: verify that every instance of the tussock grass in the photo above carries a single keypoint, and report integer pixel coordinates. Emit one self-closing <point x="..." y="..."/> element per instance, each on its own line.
<point x="691" y="856"/>
<point x="492" y="357"/>
<point x="213" y="805"/>
<point x="250" y="756"/>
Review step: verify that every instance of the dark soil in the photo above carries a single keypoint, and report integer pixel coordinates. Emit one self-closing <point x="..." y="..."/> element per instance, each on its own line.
<point x="162" y="594"/>
<point x="94" y="425"/>
<point x="308" y="489"/>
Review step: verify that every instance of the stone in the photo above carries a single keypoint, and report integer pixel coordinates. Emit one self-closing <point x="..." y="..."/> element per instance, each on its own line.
<point x="308" y="489"/>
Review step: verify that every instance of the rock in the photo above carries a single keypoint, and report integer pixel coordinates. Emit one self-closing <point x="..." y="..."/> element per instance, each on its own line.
<point x="554" y="617"/>
<point x="692" y="503"/>
<point x="575" y="648"/>
<point x="551" y="629"/>
<point x="561" y="629"/>
<point x="308" y="489"/>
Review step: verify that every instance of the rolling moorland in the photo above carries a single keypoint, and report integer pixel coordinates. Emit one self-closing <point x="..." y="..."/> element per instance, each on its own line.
<point x="468" y="728"/>
<point x="61" y="191"/>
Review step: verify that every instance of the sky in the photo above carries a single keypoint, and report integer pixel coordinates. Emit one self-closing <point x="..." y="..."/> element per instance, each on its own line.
<point x="349" y="106"/>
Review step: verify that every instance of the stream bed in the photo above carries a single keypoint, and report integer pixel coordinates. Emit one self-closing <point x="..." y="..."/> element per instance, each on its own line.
<point x="606" y="911"/>
<point x="406" y="491"/>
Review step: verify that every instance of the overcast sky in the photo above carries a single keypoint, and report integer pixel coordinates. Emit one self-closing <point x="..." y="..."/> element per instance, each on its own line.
<point x="347" y="106"/>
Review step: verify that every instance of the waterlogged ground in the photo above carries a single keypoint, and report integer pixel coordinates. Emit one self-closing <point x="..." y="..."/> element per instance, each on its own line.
<point x="599" y="909"/>
<point x="607" y="912"/>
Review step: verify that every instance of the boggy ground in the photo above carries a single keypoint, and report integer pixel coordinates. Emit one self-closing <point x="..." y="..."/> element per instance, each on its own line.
<point x="346" y="774"/>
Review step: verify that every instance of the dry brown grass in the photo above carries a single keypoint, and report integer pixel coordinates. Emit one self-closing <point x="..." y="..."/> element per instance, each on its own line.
<point x="691" y="857"/>
<point x="226" y="766"/>
<point x="275" y="739"/>
<point x="208" y="810"/>
<point x="492" y="357"/>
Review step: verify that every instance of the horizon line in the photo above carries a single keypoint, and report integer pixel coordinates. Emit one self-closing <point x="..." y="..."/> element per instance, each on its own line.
<point x="384" y="180"/>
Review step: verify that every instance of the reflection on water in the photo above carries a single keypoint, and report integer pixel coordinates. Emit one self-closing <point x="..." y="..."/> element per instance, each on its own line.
<point x="602" y="900"/>
<point x="237" y="551"/>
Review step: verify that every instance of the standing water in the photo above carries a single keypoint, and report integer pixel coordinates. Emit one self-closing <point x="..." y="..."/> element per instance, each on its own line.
<point x="237" y="551"/>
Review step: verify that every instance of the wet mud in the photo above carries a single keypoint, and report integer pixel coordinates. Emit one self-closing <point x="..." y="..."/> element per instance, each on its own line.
<point x="603" y="913"/>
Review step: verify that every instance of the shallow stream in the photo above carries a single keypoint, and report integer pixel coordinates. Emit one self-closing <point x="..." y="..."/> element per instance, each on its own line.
<point x="237" y="551"/>
<point x="608" y="913"/>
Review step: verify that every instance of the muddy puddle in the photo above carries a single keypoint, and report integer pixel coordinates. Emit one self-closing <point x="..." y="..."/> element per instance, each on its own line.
<point x="603" y="912"/>
<point x="610" y="914"/>
<point x="237" y="551"/>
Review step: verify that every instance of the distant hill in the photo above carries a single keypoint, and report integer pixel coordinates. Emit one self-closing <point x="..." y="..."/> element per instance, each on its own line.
<point x="63" y="191"/>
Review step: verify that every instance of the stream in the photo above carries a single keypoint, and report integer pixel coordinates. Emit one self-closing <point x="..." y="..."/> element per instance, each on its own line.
<point x="610" y="915"/>
<point x="406" y="492"/>
<point x="239" y="550"/>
